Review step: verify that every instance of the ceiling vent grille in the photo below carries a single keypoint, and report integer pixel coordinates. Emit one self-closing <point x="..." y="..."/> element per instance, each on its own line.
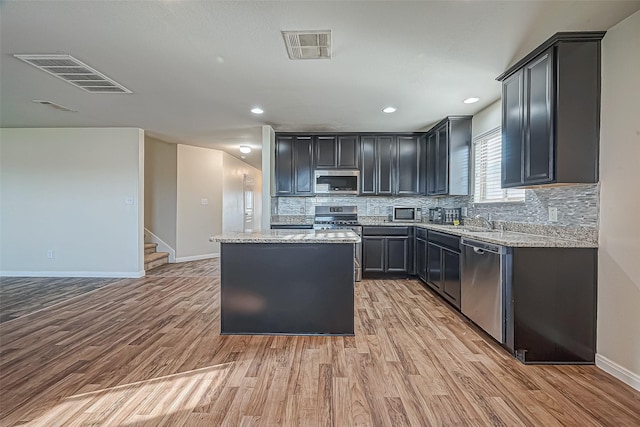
<point x="54" y="105"/>
<point x="308" y="44"/>
<point x="75" y="72"/>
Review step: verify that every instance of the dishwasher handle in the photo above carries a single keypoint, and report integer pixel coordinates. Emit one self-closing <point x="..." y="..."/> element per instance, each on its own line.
<point x="481" y="247"/>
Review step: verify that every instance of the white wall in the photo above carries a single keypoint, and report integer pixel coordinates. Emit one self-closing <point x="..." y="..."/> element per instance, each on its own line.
<point x="161" y="170"/>
<point x="268" y="171"/>
<point x="487" y="119"/>
<point x="66" y="190"/>
<point x="233" y="172"/>
<point x="199" y="176"/>
<point x="619" y="253"/>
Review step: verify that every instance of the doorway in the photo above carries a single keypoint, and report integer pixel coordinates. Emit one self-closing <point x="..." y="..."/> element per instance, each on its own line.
<point x="248" y="190"/>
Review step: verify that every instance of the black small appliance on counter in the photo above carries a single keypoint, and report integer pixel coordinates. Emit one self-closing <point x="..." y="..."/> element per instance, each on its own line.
<point x="445" y="215"/>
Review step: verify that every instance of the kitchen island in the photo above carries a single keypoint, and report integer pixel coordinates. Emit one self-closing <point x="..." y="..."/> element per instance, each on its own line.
<point x="292" y="282"/>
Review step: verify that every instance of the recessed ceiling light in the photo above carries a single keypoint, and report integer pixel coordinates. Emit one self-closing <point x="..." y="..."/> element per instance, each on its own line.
<point x="257" y="110"/>
<point x="245" y="149"/>
<point x="389" y="110"/>
<point x="471" y="100"/>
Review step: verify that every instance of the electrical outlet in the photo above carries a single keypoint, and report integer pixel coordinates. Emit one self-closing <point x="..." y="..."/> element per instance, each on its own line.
<point x="128" y="201"/>
<point x="302" y="211"/>
<point x="204" y="202"/>
<point x="50" y="254"/>
<point x="553" y="214"/>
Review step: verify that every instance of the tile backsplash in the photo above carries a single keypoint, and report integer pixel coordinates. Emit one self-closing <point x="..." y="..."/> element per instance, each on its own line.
<point x="578" y="205"/>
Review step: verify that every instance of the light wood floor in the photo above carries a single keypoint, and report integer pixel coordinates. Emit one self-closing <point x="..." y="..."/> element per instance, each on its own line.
<point x="147" y="352"/>
<point x="20" y="296"/>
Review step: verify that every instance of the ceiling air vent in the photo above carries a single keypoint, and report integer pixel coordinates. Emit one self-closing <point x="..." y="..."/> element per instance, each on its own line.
<point x="308" y="44"/>
<point x="54" y="105"/>
<point x="75" y="72"/>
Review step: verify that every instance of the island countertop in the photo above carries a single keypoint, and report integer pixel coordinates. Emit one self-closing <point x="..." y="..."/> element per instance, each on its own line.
<point x="289" y="236"/>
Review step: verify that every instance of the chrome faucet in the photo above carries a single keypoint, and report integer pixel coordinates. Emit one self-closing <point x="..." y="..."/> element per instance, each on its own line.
<point x="487" y="224"/>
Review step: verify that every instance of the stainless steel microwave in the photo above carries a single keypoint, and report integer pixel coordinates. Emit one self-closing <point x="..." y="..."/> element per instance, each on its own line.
<point x="407" y="214"/>
<point x="336" y="181"/>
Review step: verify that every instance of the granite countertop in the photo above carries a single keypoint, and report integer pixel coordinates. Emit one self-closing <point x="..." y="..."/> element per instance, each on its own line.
<point x="290" y="236"/>
<point x="503" y="238"/>
<point x="517" y="235"/>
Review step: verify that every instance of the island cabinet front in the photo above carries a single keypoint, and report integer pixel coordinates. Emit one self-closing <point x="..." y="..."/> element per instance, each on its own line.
<point x="288" y="288"/>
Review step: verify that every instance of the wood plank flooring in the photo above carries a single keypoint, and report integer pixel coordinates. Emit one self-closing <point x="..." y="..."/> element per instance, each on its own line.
<point x="20" y="296"/>
<point x="149" y="353"/>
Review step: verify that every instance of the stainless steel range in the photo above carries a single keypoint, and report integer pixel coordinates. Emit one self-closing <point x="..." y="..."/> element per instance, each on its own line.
<point x="341" y="218"/>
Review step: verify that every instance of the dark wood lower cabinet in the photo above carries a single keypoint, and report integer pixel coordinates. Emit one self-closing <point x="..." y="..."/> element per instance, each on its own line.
<point x="373" y="253"/>
<point x="398" y="254"/>
<point x="387" y="250"/>
<point x="550" y="294"/>
<point x="421" y="257"/>
<point x="443" y="266"/>
<point x="434" y="266"/>
<point x="551" y="305"/>
<point x="290" y="289"/>
<point x="451" y="277"/>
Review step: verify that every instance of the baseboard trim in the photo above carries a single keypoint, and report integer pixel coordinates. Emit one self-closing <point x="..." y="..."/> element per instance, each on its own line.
<point x="197" y="257"/>
<point x="620" y="372"/>
<point x="101" y="274"/>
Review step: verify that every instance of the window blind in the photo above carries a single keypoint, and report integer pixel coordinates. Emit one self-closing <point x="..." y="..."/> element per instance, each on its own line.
<point x="487" y="155"/>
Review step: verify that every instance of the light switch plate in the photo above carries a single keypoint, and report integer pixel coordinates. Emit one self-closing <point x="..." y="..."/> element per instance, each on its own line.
<point x="128" y="201"/>
<point x="553" y="214"/>
<point x="204" y="202"/>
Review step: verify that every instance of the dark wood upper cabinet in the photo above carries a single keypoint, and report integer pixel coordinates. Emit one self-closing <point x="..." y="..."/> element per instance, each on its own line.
<point x="303" y="162"/>
<point x="347" y="151"/>
<point x="442" y="159"/>
<point x="377" y="157"/>
<point x="368" y="167"/>
<point x="385" y="164"/>
<point x="336" y="152"/>
<point x="293" y="165"/>
<point x="550" y="113"/>
<point x="448" y="157"/>
<point x="284" y="166"/>
<point x="431" y="163"/>
<point x="512" y="129"/>
<point x="410" y="165"/>
<point x="326" y="153"/>
<point x="538" y="153"/>
<point x="389" y="164"/>
<point x="392" y="165"/>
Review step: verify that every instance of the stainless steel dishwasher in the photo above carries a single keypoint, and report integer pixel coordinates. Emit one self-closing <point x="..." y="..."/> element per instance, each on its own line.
<point x="486" y="270"/>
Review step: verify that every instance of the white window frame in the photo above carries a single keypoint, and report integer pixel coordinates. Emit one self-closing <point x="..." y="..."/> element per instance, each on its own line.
<point x="481" y="194"/>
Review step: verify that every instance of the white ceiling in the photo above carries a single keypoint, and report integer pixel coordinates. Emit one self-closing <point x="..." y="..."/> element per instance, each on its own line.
<point x="197" y="67"/>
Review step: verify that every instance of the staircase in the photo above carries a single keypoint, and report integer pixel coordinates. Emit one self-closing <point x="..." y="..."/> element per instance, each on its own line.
<point x="153" y="259"/>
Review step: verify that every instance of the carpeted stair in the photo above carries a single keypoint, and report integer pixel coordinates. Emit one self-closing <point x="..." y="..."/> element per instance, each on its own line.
<point x="153" y="259"/>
